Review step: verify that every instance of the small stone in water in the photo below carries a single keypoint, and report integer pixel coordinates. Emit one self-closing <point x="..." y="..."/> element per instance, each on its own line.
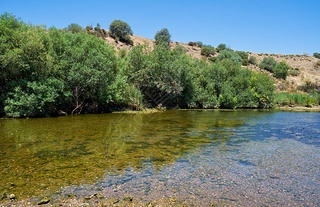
<point x="12" y="196"/>
<point x="128" y="198"/>
<point x="44" y="201"/>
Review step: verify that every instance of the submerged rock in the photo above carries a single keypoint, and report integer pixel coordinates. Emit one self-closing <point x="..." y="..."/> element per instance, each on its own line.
<point x="44" y="201"/>
<point x="12" y="196"/>
<point x="128" y="198"/>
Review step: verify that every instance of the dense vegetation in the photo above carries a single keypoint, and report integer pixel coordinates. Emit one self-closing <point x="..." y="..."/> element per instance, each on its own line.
<point x="49" y="71"/>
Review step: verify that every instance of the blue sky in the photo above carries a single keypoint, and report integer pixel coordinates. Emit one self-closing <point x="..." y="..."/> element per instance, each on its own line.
<point x="268" y="26"/>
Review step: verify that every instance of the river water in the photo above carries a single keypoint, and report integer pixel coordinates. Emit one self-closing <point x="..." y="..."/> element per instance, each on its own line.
<point x="185" y="157"/>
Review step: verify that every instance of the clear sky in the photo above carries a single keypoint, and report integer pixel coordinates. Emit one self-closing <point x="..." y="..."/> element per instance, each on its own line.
<point x="267" y="26"/>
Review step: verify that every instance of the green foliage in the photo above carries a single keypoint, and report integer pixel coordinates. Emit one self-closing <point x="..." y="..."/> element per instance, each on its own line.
<point x="74" y="28"/>
<point x="296" y="99"/>
<point x="245" y="62"/>
<point x="243" y="55"/>
<point x="199" y="44"/>
<point x="253" y="60"/>
<point x="226" y="54"/>
<point x="44" y="71"/>
<point x="268" y="63"/>
<point x="212" y="59"/>
<point x="281" y="70"/>
<point x="162" y="37"/>
<point x="120" y="30"/>
<point x="317" y="55"/>
<point x="180" y="49"/>
<point x="192" y="44"/>
<point x="310" y="87"/>
<point x="122" y="52"/>
<point x="36" y="98"/>
<point x="221" y="47"/>
<point x="294" y="71"/>
<point x="207" y="50"/>
<point x="88" y="28"/>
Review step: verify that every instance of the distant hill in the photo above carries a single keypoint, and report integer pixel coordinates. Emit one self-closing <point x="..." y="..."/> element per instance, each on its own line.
<point x="304" y="65"/>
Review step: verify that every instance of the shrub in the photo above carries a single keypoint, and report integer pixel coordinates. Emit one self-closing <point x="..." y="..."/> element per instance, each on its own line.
<point x="221" y="47"/>
<point x="163" y="37"/>
<point x="245" y="62"/>
<point x="180" y="49"/>
<point x="212" y="59"/>
<point x="310" y="87"/>
<point x="268" y="63"/>
<point x="243" y="55"/>
<point x="281" y="70"/>
<point x="207" y="51"/>
<point x="226" y="54"/>
<point x="120" y="31"/>
<point x="253" y="60"/>
<point x="317" y="55"/>
<point x="88" y="28"/>
<point x="199" y="44"/>
<point x="192" y="43"/>
<point x="294" y="71"/>
<point x="74" y="28"/>
<point x="122" y="52"/>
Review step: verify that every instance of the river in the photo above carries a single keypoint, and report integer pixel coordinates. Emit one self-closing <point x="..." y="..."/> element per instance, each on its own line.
<point x="187" y="157"/>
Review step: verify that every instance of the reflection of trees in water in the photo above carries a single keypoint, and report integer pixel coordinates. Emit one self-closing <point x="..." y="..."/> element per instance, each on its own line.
<point x="41" y="154"/>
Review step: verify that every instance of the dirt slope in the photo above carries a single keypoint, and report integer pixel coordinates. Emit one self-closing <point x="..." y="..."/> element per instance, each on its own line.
<point x="307" y="71"/>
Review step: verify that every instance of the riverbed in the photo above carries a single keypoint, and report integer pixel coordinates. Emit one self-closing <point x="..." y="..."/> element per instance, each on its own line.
<point x="181" y="157"/>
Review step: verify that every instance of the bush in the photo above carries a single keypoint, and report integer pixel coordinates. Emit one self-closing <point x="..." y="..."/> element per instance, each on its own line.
<point x="74" y="28"/>
<point x="120" y="30"/>
<point x="294" y="71"/>
<point x="89" y="28"/>
<point x="212" y="59"/>
<point x="268" y="63"/>
<point x="180" y="49"/>
<point x="221" y="47"/>
<point x="122" y="52"/>
<point x="310" y="87"/>
<point x="253" y="60"/>
<point x="281" y="70"/>
<point x="199" y="44"/>
<point x="245" y="62"/>
<point x="207" y="51"/>
<point x="226" y="54"/>
<point x="162" y="37"/>
<point x="192" y="43"/>
<point x="243" y="55"/>
<point x="317" y="55"/>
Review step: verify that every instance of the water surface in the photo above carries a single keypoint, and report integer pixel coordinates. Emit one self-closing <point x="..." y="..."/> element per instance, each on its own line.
<point x="244" y="157"/>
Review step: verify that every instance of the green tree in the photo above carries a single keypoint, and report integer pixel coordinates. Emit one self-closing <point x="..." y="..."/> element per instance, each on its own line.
<point x="207" y="50"/>
<point x="268" y="63"/>
<point x="120" y="31"/>
<point x="281" y="70"/>
<point x="74" y="28"/>
<point x="221" y="47"/>
<point x="317" y="55"/>
<point x="162" y="37"/>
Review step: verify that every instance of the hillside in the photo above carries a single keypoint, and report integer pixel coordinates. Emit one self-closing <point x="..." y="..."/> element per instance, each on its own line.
<point x="307" y="71"/>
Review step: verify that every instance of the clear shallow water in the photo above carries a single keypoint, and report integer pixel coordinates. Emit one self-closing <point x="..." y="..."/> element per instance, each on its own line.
<point x="248" y="158"/>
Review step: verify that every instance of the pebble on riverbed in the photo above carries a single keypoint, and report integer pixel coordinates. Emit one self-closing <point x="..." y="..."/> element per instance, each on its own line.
<point x="44" y="201"/>
<point x="128" y="198"/>
<point x="12" y="196"/>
